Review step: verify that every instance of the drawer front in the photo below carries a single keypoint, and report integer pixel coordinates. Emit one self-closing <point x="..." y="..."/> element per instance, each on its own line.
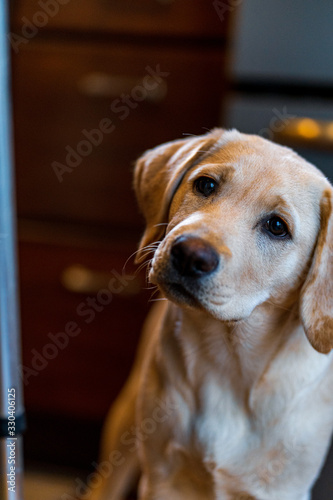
<point x="81" y="320"/>
<point x="85" y="112"/>
<point x="190" y="18"/>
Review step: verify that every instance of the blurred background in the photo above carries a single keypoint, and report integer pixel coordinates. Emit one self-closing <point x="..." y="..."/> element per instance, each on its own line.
<point x="95" y="83"/>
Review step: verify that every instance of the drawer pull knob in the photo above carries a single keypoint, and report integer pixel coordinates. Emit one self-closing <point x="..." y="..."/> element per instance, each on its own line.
<point x="80" y="279"/>
<point x="98" y="84"/>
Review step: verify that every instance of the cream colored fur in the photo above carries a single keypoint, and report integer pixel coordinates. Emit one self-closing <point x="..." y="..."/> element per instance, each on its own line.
<point x="231" y="395"/>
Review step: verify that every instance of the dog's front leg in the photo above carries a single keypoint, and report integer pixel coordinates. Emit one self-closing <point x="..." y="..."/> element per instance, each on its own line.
<point x="152" y="490"/>
<point x="119" y="461"/>
<point x="167" y="489"/>
<point x="170" y="471"/>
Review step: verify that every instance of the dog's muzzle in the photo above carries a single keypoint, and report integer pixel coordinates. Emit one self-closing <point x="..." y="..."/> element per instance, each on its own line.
<point x="193" y="257"/>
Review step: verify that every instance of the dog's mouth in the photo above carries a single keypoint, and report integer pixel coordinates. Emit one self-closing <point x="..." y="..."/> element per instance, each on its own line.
<point x="178" y="293"/>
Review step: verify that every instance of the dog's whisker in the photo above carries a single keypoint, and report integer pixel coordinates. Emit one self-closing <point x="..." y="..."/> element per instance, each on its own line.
<point x="145" y="262"/>
<point x="147" y="252"/>
<point x="144" y="250"/>
<point x="188" y="134"/>
<point x="152" y="246"/>
<point x="156" y="242"/>
<point x="147" y="265"/>
<point x="141" y="267"/>
<point x="129" y="258"/>
<point x="153" y="293"/>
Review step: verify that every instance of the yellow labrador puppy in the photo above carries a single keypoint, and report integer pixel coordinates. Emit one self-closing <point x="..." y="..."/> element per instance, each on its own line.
<point x="231" y="397"/>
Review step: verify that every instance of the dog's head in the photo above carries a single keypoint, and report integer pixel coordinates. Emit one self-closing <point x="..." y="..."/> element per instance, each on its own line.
<point x="237" y="221"/>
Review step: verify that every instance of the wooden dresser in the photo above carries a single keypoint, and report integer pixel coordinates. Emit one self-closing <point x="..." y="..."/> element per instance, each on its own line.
<point x="95" y="83"/>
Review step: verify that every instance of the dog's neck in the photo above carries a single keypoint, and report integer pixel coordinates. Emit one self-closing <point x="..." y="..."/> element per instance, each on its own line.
<point x="256" y="341"/>
<point x="247" y="346"/>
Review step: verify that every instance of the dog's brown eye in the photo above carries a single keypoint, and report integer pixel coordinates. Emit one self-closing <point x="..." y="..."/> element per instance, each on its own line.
<point x="277" y="227"/>
<point x="205" y="186"/>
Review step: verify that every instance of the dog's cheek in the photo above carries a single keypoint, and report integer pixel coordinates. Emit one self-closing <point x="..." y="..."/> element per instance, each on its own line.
<point x="287" y="276"/>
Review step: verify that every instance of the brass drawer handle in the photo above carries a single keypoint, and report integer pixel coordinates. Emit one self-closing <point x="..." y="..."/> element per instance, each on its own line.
<point x="80" y="279"/>
<point x="306" y="132"/>
<point x="98" y="84"/>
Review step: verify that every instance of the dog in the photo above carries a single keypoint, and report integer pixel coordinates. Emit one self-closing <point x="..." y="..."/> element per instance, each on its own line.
<point x="230" y="397"/>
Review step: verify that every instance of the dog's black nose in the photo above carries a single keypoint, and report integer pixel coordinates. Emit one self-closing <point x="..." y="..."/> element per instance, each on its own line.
<point x="192" y="256"/>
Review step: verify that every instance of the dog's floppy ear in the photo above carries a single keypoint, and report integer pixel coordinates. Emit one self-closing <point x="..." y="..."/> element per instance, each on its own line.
<point x="157" y="176"/>
<point x="317" y="293"/>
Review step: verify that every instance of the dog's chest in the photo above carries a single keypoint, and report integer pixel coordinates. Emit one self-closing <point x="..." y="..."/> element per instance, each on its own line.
<point x="249" y="424"/>
<point x="222" y="425"/>
<point x="231" y="416"/>
<point x="250" y="440"/>
<point x="240" y="450"/>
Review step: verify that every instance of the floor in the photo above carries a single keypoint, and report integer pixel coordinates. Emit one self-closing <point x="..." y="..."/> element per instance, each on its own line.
<point x="54" y="486"/>
<point x="49" y="486"/>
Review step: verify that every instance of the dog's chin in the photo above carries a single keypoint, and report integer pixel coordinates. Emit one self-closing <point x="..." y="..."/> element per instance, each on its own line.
<point x="183" y="297"/>
<point x="179" y="294"/>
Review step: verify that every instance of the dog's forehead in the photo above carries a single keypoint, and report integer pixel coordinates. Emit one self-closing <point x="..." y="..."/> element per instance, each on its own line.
<point x="259" y="176"/>
<point x="253" y="155"/>
<point x="254" y="162"/>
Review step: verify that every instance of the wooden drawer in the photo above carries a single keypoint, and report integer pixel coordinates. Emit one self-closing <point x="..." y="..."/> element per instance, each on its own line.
<point x="65" y="94"/>
<point x="78" y="347"/>
<point x="185" y="18"/>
